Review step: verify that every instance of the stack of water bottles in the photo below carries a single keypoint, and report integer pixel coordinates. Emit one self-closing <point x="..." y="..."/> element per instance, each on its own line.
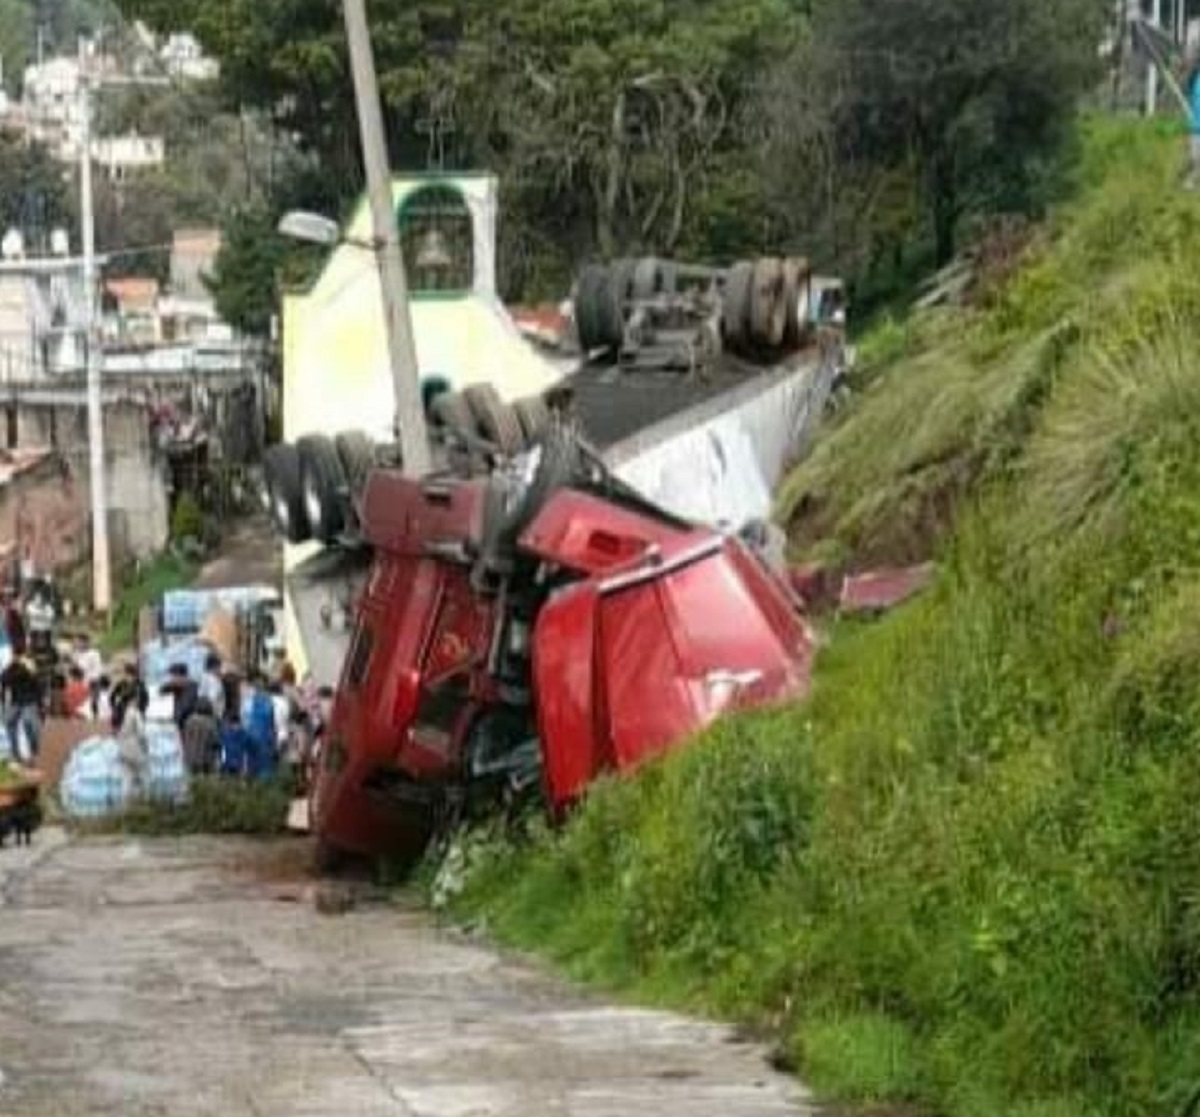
<point x="96" y="781"/>
<point x="158" y="656"/>
<point x="185" y="611"/>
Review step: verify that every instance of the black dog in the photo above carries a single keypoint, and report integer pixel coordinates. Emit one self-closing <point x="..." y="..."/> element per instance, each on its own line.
<point x="20" y="820"/>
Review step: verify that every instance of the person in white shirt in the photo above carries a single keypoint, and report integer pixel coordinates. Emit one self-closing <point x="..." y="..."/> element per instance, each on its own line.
<point x="87" y="659"/>
<point x="283" y="717"/>
<point x="132" y="739"/>
<point x="212" y="686"/>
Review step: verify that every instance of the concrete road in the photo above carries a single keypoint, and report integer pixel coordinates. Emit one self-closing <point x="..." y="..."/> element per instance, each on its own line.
<point x="181" y="978"/>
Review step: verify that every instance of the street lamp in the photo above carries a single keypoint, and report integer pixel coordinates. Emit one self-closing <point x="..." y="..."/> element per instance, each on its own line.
<point x="312" y="228"/>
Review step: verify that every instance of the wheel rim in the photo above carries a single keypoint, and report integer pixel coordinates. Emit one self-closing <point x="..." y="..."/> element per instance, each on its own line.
<point x="282" y="512"/>
<point x="312" y="502"/>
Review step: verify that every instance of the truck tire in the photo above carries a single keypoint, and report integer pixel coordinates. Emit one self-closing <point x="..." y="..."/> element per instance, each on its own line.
<point x="356" y="452"/>
<point x="281" y="480"/>
<point x="768" y="310"/>
<point x="451" y="412"/>
<point x="323" y="482"/>
<point x="735" y="303"/>
<point x="533" y="413"/>
<point x="794" y="268"/>
<point x="497" y="421"/>
<point x="561" y="463"/>
<point x="591" y="311"/>
<point x="647" y="277"/>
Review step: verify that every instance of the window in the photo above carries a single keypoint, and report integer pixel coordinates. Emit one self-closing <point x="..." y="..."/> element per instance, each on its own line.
<point x="360" y="656"/>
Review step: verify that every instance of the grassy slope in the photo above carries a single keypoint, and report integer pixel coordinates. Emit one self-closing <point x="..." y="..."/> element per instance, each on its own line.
<point x="966" y="872"/>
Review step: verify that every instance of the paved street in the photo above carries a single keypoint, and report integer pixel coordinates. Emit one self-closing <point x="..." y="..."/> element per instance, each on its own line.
<point x="181" y="978"/>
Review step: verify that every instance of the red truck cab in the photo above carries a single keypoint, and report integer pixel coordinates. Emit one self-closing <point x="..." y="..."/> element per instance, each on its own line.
<point x="589" y="636"/>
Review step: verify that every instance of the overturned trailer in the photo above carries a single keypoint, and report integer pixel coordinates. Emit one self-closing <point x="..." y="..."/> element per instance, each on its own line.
<point x="696" y="386"/>
<point x="582" y="582"/>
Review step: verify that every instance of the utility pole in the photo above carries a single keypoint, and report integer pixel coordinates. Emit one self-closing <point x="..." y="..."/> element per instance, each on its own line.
<point x="402" y="352"/>
<point x="101" y="575"/>
<point x="1152" y="71"/>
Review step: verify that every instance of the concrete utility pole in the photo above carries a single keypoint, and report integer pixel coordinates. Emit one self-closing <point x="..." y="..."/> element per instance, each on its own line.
<point x="1152" y="71"/>
<point x="101" y="573"/>
<point x="402" y="352"/>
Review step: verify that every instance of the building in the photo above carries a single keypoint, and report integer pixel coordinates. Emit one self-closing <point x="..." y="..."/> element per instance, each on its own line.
<point x="193" y="256"/>
<point x="131" y="310"/>
<point x="183" y="57"/>
<point x="118" y="157"/>
<point x="52" y="108"/>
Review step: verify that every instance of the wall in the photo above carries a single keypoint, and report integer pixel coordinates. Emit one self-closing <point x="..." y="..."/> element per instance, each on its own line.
<point x="136" y="484"/>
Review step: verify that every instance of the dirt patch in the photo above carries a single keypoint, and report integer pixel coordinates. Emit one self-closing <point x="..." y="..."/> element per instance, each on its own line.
<point x="250" y="555"/>
<point x="288" y="861"/>
<point x="58" y="740"/>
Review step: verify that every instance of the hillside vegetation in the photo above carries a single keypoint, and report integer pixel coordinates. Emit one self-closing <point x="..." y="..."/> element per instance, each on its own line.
<point x="966" y="873"/>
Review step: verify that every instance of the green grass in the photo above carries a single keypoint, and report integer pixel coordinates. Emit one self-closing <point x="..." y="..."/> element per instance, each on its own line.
<point x="165" y="573"/>
<point x="965" y="873"/>
<point x="215" y="805"/>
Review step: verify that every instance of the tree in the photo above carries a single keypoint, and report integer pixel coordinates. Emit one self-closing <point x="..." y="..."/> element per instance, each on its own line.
<point x="605" y="116"/>
<point x="35" y="191"/>
<point x="975" y="94"/>
<point x="254" y="263"/>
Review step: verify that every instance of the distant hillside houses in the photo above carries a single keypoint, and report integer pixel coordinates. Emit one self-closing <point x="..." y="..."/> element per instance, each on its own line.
<point x="49" y="111"/>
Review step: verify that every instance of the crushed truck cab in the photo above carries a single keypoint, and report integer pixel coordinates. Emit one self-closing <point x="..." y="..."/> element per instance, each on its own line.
<point x="528" y="632"/>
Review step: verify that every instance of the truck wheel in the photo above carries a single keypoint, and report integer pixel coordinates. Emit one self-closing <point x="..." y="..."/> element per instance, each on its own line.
<point x="647" y="277"/>
<point x="356" y="452"/>
<point x="794" y="270"/>
<point x="323" y="482"/>
<point x="590" y="312"/>
<point x="451" y="413"/>
<point x="496" y="420"/>
<point x="533" y="413"/>
<point x="735" y="303"/>
<point x="281" y="479"/>
<point x="560" y="464"/>
<point x="768" y="310"/>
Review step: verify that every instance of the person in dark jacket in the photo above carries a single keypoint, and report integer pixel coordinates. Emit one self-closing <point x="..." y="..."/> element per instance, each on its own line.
<point x="22" y="691"/>
<point x="202" y="739"/>
<point x="14" y="623"/>
<point x="129" y="689"/>
<point x="184" y="690"/>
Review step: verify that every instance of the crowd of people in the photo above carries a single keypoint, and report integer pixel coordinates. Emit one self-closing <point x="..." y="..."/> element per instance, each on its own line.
<point x="230" y="723"/>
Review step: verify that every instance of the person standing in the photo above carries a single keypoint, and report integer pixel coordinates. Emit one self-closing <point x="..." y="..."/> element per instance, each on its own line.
<point x="212" y="686"/>
<point x="22" y="692"/>
<point x="202" y="739"/>
<point x="130" y="690"/>
<point x="14" y="623"/>
<point x="258" y="719"/>
<point x="100" y="707"/>
<point x="184" y="691"/>
<point x="87" y="659"/>
<point x="77" y="694"/>
<point x="1191" y="90"/>
<point x="131" y="737"/>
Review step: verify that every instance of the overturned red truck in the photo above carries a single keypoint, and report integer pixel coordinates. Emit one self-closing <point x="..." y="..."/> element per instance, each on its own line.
<point x="528" y="631"/>
<point x="546" y="609"/>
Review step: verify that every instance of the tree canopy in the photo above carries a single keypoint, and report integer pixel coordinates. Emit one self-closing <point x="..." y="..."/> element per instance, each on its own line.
<point x="851" y="129"/>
